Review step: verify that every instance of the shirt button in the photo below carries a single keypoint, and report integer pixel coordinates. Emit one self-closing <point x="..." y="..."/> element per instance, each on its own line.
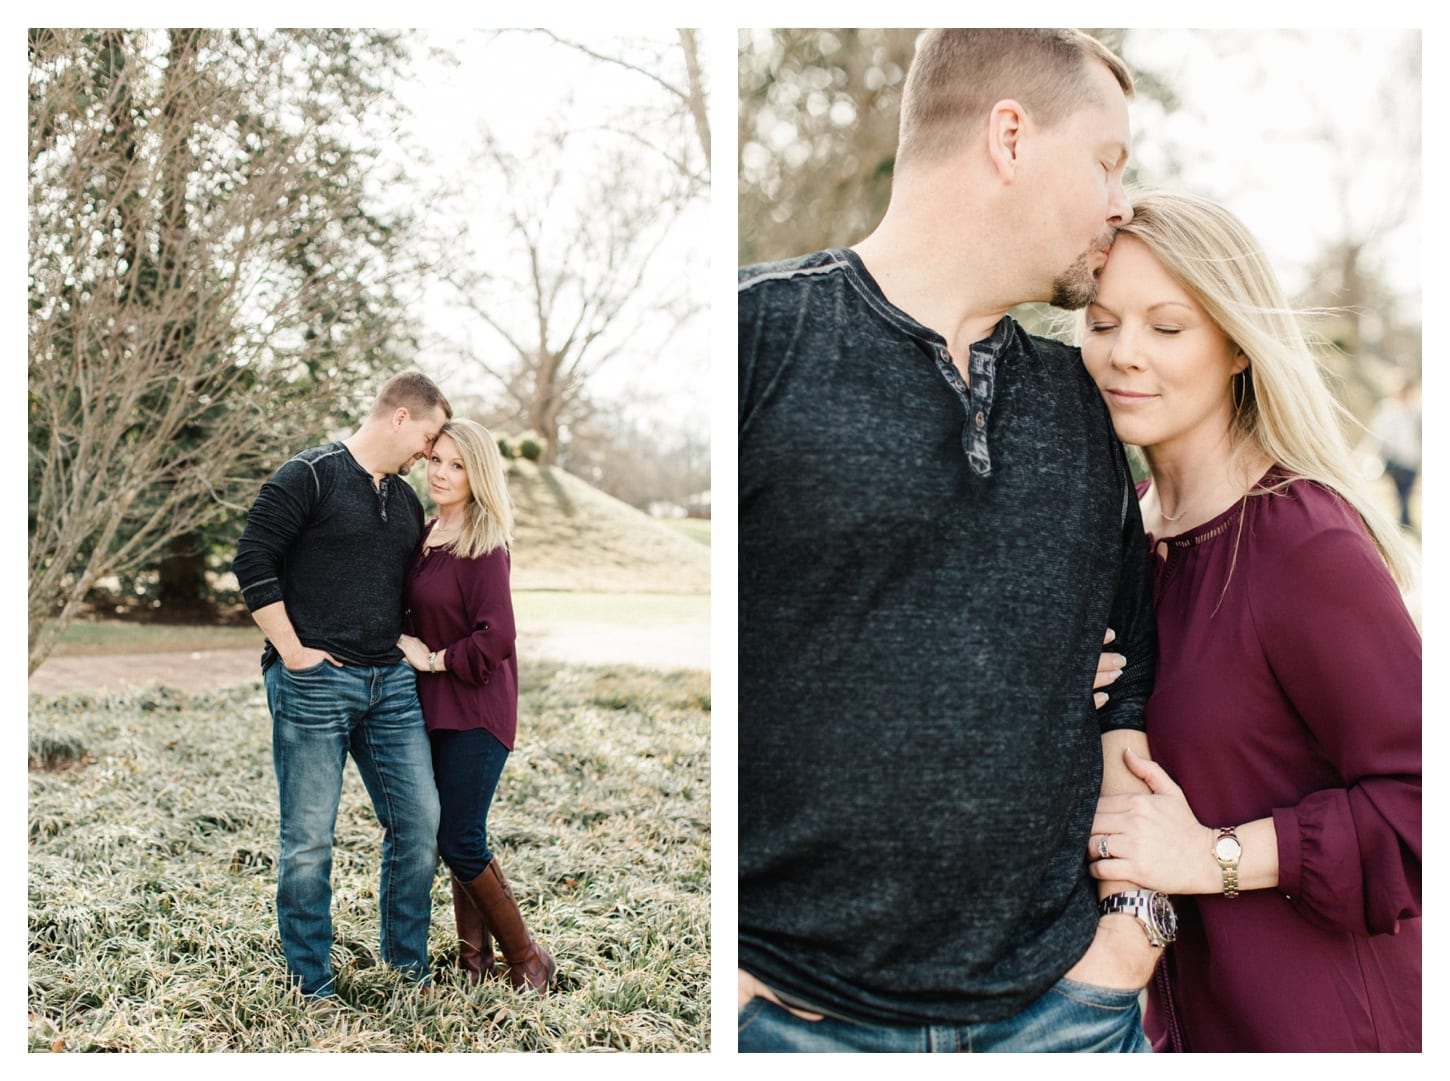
<point x="981" y="420"/>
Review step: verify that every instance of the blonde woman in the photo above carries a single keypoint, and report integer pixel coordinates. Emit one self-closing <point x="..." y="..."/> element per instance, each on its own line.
<point x="463" y="650"/>
<point x="1287" y="705"/>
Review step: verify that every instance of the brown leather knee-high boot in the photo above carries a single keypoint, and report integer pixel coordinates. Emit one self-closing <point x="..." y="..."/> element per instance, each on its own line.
<point x="529" y="965"/>
<point x="475" y="944"/>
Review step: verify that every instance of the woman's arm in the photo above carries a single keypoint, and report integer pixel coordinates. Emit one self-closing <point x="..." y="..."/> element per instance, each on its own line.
<point x="488" y="605"/>
<point x="1156" y="841"/>
<point x="417" y="654"/>
<point x="1340" y="643"/>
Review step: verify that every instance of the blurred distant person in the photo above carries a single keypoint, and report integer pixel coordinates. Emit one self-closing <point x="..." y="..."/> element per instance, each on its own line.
<point x="1397" y="433"/>
<point x="461" y="642"/>
<point x="1287" y="706"/>
<point x="322" y="565"/>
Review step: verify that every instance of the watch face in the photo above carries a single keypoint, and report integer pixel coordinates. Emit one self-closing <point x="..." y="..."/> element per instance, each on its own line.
<point x="1163" y="915"/>
<point x="1227" y="849"/>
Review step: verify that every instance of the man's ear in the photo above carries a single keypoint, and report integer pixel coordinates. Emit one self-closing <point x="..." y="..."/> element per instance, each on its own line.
<point x="400" y="414"/>
<point x="1006" y="125"/>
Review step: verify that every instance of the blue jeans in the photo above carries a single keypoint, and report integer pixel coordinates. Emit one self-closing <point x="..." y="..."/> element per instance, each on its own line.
<point x="466" y="766"/>
<point x="1071" y="1016"/>
<point x="319" y="716"/>
<point x="1404" y="478"/>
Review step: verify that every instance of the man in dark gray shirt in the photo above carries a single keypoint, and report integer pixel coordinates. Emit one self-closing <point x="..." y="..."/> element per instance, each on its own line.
<point x="936" y="528"/>
<point x="322" y="565"/>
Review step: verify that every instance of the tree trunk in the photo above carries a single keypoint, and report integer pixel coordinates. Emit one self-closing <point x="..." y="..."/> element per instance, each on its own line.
<point x="183" y="575"/>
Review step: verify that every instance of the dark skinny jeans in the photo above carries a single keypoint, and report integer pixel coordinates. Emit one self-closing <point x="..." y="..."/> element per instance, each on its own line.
<point x="466" y="765"/>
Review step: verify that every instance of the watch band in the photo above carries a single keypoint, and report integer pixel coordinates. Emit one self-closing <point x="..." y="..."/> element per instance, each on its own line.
<point x="1152" y="909"/>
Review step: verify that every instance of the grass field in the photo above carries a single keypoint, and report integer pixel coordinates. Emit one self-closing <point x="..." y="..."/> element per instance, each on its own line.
<point x="695" y="528"/>
<point x="152" y="824"/>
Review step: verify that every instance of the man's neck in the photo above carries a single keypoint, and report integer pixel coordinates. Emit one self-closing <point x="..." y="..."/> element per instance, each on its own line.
<point x="366" y="450"/>
<point x="955" y="284"/>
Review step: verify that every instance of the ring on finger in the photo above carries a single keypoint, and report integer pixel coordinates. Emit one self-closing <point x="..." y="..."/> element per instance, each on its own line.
<point x="1103" y="847"/>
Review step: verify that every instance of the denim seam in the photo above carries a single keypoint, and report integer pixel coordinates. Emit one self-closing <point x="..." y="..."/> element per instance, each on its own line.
<point x="1084" y="1000"/>
<point x="390" y="868"/>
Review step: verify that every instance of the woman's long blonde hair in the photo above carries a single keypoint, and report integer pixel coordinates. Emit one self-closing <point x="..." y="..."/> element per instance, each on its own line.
<point x="489" y="519"/>
<point x="1284" y="407"/>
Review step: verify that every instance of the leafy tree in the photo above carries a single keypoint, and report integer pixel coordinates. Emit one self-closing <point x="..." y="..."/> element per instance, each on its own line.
<point x="208" y="287"/>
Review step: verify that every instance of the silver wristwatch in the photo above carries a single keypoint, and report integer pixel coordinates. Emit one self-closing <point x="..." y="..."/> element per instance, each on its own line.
<point x="1150" y="907"/>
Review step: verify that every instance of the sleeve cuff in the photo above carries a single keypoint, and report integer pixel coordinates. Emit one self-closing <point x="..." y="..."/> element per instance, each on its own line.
<point x="262" y="594"/>
<point x="1291" y="851"/>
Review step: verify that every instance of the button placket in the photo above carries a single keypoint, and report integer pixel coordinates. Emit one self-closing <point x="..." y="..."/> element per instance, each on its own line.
<point x="976" y="400"/>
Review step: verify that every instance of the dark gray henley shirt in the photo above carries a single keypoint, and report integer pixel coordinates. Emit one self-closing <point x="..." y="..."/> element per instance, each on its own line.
<point x="321" y="538"/>
<point x="926" y="570"/>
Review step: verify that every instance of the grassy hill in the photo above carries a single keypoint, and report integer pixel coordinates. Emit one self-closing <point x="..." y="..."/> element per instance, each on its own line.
<point x="569" y="535"/>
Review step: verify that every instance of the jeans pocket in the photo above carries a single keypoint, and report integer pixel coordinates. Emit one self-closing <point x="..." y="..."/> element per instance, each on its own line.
<point x="748" y="1013"/>
<point x="312" y="699"/>
<point x="1091" y="994"/>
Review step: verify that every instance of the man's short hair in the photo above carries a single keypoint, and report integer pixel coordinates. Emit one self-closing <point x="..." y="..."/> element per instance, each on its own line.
<point x="958" y="75"/>
<point x="414" y="392"/>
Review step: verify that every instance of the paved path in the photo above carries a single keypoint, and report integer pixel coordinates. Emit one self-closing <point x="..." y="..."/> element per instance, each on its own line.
<point x="685" y="645"/>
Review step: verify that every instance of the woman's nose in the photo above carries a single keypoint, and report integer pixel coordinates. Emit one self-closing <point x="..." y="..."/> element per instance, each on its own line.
<point x="1125" y="352"/>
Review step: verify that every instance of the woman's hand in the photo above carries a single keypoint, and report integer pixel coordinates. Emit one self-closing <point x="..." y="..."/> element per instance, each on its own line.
<point x="1153" y="840"/>
<point x="415" y="652"/>
<point x="1110" y="667"/>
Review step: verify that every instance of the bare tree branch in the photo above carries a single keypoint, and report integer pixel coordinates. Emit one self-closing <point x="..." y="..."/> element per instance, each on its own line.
<point x="201" y="285"/>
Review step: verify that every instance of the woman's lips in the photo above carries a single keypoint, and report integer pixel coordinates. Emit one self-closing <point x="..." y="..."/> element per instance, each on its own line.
<point x="1129" y="397"/>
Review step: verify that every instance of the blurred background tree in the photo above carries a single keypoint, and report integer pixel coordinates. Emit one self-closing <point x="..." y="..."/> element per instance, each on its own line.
<point x="817" y="136"/>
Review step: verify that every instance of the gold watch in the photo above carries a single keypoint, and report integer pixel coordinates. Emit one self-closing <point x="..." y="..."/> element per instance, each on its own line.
<point x="1227" y="849"/>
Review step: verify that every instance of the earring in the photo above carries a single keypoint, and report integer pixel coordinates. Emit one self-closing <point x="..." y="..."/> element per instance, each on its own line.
<point x="1240" y="390"/>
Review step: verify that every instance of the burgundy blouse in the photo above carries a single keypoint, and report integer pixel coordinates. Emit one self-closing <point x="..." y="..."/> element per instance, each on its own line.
<point x="463" y="607"/>
<point x="1289" y="686"/>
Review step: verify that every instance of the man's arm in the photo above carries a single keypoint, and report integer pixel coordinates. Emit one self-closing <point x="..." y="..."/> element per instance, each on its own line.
<point x="277" y="626"/>
<point x="273" y="523"/>
<point x="1120" y="954"/>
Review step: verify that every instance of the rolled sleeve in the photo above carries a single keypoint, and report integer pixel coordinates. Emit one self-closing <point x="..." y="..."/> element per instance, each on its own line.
<point x="1346" y="653"/>
<point x="489" y="605"/>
